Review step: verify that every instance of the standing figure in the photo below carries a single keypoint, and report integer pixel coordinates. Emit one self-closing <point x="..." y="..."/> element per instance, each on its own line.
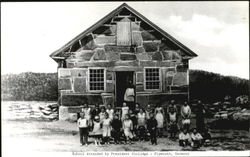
<point x="106" y="125"/>
<point x="186" y="115"/>
<point x="172" y="121"/>
<point x="102" y="113"/>
<point x="129" y="96"/>
<point x="148" y="111"/>
<point x="110" y="111"/>
<point x="83" y="125"/>
<point x="86" y="111"/>
<point x="159" y="116"/>
<point x="127" y="128"/>
<point x="152" y="128"/>
<point x="134" y="121"/>
<point x="200" y="117"/>
<point x="172" y="105"/>
<point x="97" y="130"/>
<point x="116" y="129"/>
<point x="137" y="108"/>
<point x="141" y="116"/>
<point x="125" y="109"/>
<point x="95" y="111"/>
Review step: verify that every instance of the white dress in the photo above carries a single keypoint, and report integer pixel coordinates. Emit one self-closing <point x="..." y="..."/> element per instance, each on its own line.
<point x="141" y="119"/>
<point x="110" y="113"/>
<point x="102" y="116"/>
<point x="106" y="127"/>
<point x="87" y="112"/>
<point x="97" y="130"/>
<point x="159" y="117"/>
<point x="124" y="112"/>
<point x="127" y="127"/>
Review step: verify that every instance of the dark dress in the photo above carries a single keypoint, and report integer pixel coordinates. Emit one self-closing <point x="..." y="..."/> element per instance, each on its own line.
<point x="200" y="118"/>
<point x="151" y="126"/>
<point x="116" y="125"/>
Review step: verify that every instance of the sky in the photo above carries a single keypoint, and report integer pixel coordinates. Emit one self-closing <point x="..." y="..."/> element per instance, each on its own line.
<point x="218" y="32"/>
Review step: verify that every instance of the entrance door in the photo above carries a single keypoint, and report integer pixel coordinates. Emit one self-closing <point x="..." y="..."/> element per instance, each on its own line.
<point x="122" y="81"/>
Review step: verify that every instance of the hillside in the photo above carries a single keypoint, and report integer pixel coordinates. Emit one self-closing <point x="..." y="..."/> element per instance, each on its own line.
<point x="204" y="85"/>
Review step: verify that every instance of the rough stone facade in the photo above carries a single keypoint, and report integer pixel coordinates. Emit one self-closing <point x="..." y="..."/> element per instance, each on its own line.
<point x="106" y="46"/>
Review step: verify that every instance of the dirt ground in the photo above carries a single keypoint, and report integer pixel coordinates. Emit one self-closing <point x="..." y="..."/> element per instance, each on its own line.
<point x="29" y="134"/>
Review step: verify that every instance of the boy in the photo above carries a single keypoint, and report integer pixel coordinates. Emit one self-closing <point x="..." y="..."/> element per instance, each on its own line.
<point x="172" y="120"/>
<point x="152" y="128"/>
<point x="83" y="124"/>
<point x="141" y="125"/>
<point x="196" y="139"/>
<point x="186" y="115"/>
<point x="116" y="128"/>
<point x="184" y="138"/>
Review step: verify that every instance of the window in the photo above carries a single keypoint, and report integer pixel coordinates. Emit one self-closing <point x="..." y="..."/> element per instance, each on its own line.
<point x="152" y="78"/>
<point x="96" y="79"/>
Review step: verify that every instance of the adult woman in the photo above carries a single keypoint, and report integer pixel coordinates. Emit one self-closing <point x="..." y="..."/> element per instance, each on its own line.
<point x="129" y="96"/>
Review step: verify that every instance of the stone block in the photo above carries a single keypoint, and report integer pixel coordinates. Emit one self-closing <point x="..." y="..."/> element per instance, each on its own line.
<point x="163" y="46"/>
<point x="79" y="72"/>
<point x="127" y="56"/>
<point x="63" y="72"/>
<point x="151" y="46"/>
<point x="64" y="83"/>
<point x="115" y="48"/>
<point x="83" y="55"/>
<point x="78" y="100"/>
<point x="65" y="115"/>
<point x="137" y="38"/>
<point x="139" y="87"/>
<point x="148" y="36"/>
<point x="80" y="85"/>
<point x="70" y="64"/>
<point x="142" y="56"/>
<point x="99" y="54"/>
<point x="142" y="100"/>
<point x="88" y="43"/>
<point x="180" y="78"/>
<point x="109" y="75"/>
<point x="157" y="56"/>
<point x="113" y="56"/>
<point x="105" y="39"/>
<point x="140" y="49"/>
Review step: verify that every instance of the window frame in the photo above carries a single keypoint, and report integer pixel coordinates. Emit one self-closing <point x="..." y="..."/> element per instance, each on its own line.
<point x="88" y="79"/>
<point x="160" y="79"/>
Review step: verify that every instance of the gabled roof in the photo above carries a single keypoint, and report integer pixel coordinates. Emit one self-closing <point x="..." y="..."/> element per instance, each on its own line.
<point x="110" y="15"/>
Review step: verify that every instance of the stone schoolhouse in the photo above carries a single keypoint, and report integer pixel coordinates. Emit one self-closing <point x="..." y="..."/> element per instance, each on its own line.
<point x="96" y="66"/>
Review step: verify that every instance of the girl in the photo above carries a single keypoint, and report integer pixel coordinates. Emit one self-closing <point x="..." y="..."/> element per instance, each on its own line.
<point x="186" y="115"/>
<point x="160" y="119"/>
<point x="172" y="120"/>
<point x="83" y="125"/>
<point x="124" y="110"/>
<point x="86" y="111"/>
<point x="141" y="125"/>
<point x="106" y="125"/>
<point x="116" y="129"/>
<point x="110" y="111"/>
<point x="148" y="111"/>
<point x="134" y="121"/>
<point x="102" y="113"/>
<point x="137" y="109"/>
<point x="97" y="130"/>
<point x="127" y="128"/>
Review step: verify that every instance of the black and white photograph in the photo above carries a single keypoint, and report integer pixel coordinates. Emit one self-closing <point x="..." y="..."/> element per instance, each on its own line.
<point x="136" y="78"/>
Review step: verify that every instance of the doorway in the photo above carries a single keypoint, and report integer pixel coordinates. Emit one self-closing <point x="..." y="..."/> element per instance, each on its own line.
<point x="122" y="81"/>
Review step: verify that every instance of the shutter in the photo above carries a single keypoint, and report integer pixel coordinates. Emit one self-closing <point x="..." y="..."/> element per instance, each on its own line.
<point x="123" y="33"/>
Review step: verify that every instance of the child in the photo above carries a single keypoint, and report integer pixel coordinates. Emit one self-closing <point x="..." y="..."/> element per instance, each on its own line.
<point x="83" y="124"/>
<point x="102" y="113"/>
<point x="172" y="120"/>
<point x="152" y="128"/>
<point x="186" y="115"/>
<point x="97" y="130"/>
<point x="110" y="111"/>
<point x="148" y="111"/>
<point x="124" y="110"/>
<point x="160" y="119"/>
<point x="116" y="128"/>
<point x="141" y="116"/>
<point x="86" y="111"/>
<point x="134" y="121"/>
<point x="95" y="111"/>
<point x="184" y="138"/>
<point x="137" y="108"/>
<point x="196" y="139"/>
<point x="106" y="125"/>
<point x="127" y="128"/>
<point x="206" y="137"/>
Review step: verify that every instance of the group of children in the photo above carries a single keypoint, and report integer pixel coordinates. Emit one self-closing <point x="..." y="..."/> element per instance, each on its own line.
<point x="126" y="125"/>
